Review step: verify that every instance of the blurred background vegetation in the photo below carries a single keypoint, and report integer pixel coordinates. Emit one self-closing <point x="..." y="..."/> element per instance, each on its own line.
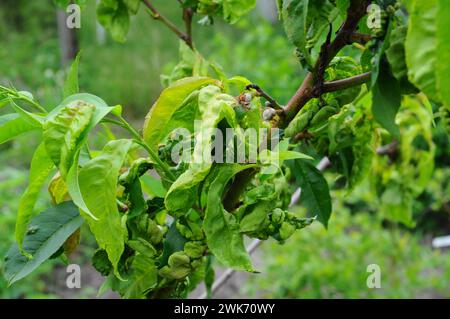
<point x="313" y="264"/>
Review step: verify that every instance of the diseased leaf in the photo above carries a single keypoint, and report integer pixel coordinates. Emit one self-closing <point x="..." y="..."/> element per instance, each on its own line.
<point x="46" y="234"/>
<point x="212" y="105"/>
<point x="221" y="228"/>
<point x="170" y="100"/>
<point x="98" y="185"/>
<point x="76" y="146"/>
<point x="144" y="276"/>
<point x="41" y="166"/>
<point x="64" y="131"/>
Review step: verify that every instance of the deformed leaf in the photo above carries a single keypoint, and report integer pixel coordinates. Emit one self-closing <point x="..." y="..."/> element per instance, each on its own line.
<point x="221" y="228"/>
<point x="144" y="276"/>
<point x="170" y="100"/>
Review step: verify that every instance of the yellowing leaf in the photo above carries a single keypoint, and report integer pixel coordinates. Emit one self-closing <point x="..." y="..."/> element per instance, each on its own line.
<point x="98" y="185"/>
<point x="168" y="103"/>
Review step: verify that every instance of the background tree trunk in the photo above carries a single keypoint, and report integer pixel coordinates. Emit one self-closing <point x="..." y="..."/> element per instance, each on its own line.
<point x="68" y="42"/>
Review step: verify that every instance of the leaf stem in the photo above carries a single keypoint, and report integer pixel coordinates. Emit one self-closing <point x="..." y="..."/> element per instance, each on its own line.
<point x="18" y="96"/>
<point x="139" y="140"/>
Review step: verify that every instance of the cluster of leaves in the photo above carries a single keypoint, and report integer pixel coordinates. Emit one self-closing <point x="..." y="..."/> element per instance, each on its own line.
<point x="156" y="239"/>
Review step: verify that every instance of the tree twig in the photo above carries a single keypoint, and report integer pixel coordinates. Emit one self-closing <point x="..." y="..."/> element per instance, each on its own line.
<point x="158" y="16"/>
<point x="187" y="17"/>
<point x="360" y="38"/>
<point x="346" y="83"/>
<point x="265" y="95"/>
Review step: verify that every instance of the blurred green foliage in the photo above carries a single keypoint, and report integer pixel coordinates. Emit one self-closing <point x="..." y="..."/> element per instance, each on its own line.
<point x="316" y="263"/>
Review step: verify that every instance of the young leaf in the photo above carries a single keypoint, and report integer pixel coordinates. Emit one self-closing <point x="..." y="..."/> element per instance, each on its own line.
<point x="41" y="166"/>
<point x="98" y="185"/>
<point x="222" y="230"/>
<point x="46" y="234"/>
<point x="315" y="193"/>
<point x="71" y="83"/>
<point x="233" y="10"/>
<point x="31" y="118"/>
<point x="115" y="17"/>
<point x="12" y="125"/>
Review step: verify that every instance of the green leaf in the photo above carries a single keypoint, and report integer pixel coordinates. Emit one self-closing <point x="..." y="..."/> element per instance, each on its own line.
<point x="191" y="64"/>
<point x="46" y="234"/>
<point x="144" y="276"/>
<point x="12" y="125"/>
<point x="98" y="185"/>
<point x="41" y="166"/>
<point x="31" y="118"/>
<point x="421" y="46"/>
<point x="153" y="186"/>
<point x="386" y="98"/>
<point x="305" y="21"/>
<point x="132" y="184"/>
<point x="397" y="59"/>
<point x="132" y="5"/>
<point x="170" y="100"/>
<point x="221" y="228"/>
<point x="209" y="275"/>
<point x="114" y="16"/>
<point x="315" y="192"/>
<point x="443" y="51"/>
<point x="233" y="10"/>
<point x="71" y="83"/>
